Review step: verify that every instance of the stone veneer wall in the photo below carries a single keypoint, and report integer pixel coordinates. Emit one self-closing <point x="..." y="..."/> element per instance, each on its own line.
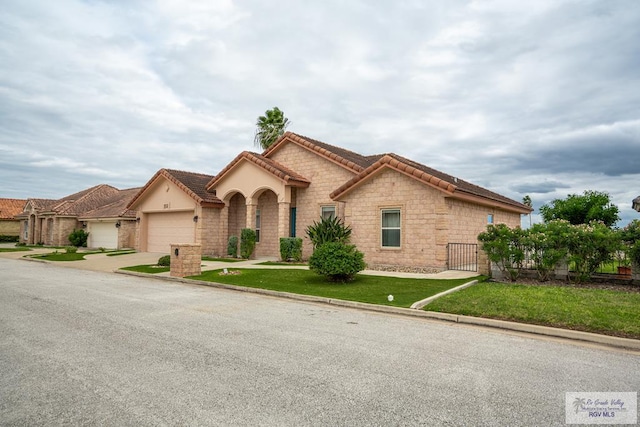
<point x="418" y="212"/>
<point x="208" y="232"/>
<point x="127" y="234"/>
<point x="269" y="244"/>
<point x="325" y="176"/>
<point x="187" y="262"/>
<point x="62" y="227"/>
<point x="9" y="227"/>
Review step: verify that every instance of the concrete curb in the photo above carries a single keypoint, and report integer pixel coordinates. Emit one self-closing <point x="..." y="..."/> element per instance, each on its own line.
<point x="418" y="305"/>
<point x="626" y="343"/>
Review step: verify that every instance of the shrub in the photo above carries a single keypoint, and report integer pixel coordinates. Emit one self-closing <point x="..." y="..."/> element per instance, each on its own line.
<point x="164" y="261"/>
<point x="9" y="239"/>
<point x="21" y="244"/>
<point x="78" y="237"/>
<point x="505" y="248"/>
<point x="291" y="249"/>
<point x="547" y="245"/>
<point x="247" y="242"/>
<point x="71" y="249"/>
<point x="589" y="246"/>
<point x="338" y="261"/>
<point x="330" y="229"/>
<point x="232" y="246"/>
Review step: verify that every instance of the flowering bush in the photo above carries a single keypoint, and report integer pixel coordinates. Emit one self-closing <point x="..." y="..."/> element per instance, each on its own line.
<point x="546" y="244"/>
<point x="504" y="247"/>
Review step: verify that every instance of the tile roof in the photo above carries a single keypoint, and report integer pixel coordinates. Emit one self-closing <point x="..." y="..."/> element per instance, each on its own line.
<point x="9" y="208"/>
<point x="287" y="175"/>
<point x="85" y="200"/>
<point x="115" y="207"/>
<point x="192" y="183"/>
<point x="455" y="187"/>
<point x="348" y="159"/>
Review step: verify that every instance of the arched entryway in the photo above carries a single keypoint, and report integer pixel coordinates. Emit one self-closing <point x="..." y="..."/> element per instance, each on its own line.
<point x="266" y="224"/>
<point x="237" y="211"/>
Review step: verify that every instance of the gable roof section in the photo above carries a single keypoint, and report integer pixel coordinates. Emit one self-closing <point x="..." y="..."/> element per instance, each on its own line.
<point x="281" y="172"/>
<point x="116" y="207"/>
<point x="9" y="208"/>
<point x="193" y="184"/>
<point x="85" y="200"/>
<point x="454" y="187"/>
<point x="345" y="158"/>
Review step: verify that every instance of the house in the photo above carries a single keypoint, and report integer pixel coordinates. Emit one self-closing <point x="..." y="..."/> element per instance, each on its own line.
<point x="9" y="224"/>
<point x="175" y="207"/>
<point x="404" y="215"/>
<point x="100" y="210"/>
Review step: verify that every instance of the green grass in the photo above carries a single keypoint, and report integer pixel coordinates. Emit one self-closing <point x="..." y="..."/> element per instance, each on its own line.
<point x="281" y="263"/>
<point x="208" y="258"/>
<point x="61" y="256"/>
<point x="592" y="310"/>
<point x="150" y="269"/>
<point x="16" y="249"/>
<point x="369" y="289"/>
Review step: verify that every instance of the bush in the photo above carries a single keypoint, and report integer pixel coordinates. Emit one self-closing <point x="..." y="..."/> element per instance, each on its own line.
<point x="291" y="249"/>
<point x="232" y="246"/>
<point x="71" y="249"/>
<point x="338" y="261"/>
<point x="504" y="247"/>
<point x="9" y="239"/>
<point x="247" y="242"/>
<point x="164" y="261"/>
<point x="21" y="244"/>
<point x="329" y="229"/>
<point x="78" y="237"/>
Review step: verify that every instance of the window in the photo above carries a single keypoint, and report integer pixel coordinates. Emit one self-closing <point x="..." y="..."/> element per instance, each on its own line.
<point x="390" y="228"/>
<point x="327" y="212"/>
<point x="490" y="219"/>
<point x="257" y="225"/>
<point x="292" y="223"/>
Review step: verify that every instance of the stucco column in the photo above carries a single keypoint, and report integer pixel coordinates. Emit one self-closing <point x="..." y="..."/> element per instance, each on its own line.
<point x="284" y="220"/>
<point x="251" y="214"/>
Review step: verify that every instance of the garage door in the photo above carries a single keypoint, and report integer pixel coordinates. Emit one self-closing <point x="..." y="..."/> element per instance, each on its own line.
<point x="166" y="228"/>
<point x="103" y="235"/>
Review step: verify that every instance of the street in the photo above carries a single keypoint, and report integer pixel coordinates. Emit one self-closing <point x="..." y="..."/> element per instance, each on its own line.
<point x="90" y="348"/>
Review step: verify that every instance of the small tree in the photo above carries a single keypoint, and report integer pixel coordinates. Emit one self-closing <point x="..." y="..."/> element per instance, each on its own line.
<point x="338" y="261"/>
<point x="582" y="209"/>
<point x="330" y="229"/>
<point x="247" y="242"/>
<point x="78" y="237"/>
<point x="547" y="245"/>
<point x="589" y="246"/>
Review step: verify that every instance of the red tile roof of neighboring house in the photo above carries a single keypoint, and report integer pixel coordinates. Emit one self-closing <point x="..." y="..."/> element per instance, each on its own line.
<point x="345" y="158"/>
<point x="193" y="184"/>
<point x="280" y="171"/>
<point x="9" y="208"/>
<point x="455" y="187"/>
<point x="85" y="200"/>
<point x="116" y="207"/>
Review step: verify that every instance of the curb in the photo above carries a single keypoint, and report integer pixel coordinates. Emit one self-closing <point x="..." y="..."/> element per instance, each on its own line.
<point x="418" y="305"/>
<point x="626" y="343"/>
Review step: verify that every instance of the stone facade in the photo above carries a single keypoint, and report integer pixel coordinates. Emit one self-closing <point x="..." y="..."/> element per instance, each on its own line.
<point x="9" y="227"/>
<point x="185" y="260"/>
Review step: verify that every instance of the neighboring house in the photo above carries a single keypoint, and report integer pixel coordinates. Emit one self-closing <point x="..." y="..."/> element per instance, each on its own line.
<point x="9" y="224"/>
<point x="174" y="207"/>
<point x="404" y="215"/>
<point x="636" y="203"/>
<point x="49" y="222"/>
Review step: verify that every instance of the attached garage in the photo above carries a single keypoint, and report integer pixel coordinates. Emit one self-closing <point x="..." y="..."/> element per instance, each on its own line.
<point x="165" y="228"/>
<point x="102" y="235"/>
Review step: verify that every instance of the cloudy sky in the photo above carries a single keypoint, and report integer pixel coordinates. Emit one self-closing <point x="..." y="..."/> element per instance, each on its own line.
<point x="535" y="97"/>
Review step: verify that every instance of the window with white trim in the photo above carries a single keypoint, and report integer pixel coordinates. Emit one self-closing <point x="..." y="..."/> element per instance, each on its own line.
<point x="327" y="212"/>
<point x="258" y="225"/>
<point x="390" y="228"/>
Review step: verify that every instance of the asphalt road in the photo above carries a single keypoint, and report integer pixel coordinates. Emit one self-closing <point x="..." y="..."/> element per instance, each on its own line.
<point x="89" y="348"/>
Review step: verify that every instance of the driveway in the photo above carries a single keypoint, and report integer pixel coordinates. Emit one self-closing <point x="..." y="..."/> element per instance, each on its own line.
<point x="93" y="348"/>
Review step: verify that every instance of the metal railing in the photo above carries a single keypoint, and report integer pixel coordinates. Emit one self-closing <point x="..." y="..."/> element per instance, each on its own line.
<point x="462" y="256"/>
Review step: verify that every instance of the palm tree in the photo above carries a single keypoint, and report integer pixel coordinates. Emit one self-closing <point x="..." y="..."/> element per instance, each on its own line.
<point x="270" y="127"/>
<point x="527" y="201"/>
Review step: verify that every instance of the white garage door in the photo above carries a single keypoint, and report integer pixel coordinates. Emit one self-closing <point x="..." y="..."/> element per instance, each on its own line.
<point x="103" y="235"/>
<point x="166" y="228"/>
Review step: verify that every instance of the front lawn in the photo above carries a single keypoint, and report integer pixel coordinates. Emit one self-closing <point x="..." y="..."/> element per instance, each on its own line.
<point x="369" y="289"/>
<point x="150" y="269"/>
<point x="208" y="258"/>
<point x="62" y="256"/>
<point x="16" y="249"/>
<point x="609" y="312"/>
